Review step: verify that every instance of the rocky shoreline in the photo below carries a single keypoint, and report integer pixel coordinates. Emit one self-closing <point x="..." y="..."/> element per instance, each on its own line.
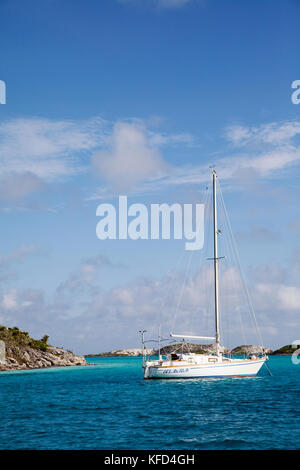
<point x="29" y="358"/>
<point x="196" y="348"/>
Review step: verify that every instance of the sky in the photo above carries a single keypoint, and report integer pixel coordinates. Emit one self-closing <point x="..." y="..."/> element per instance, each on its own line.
<point x="140" y="98"/>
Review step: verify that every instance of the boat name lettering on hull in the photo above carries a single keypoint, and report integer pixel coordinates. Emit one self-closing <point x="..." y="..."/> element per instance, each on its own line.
<point x="175" y="371"/>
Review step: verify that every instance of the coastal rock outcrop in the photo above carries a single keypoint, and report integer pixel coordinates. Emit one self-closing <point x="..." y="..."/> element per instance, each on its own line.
<point x="133" y="352"/>
<point x="286" y="350"/>
<point x="20" y="351"/>
<point x="188" y="347"/>
<point x="193" y="348"/>
<point x="250" y="349"/>
<point x="18" y="358"/>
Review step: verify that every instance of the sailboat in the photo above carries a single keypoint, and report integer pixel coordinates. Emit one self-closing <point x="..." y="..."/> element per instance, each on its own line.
<point x="216" y="364"/>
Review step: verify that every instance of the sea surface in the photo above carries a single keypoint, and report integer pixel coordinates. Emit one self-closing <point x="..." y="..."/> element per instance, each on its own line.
<point x="108" y="405"/>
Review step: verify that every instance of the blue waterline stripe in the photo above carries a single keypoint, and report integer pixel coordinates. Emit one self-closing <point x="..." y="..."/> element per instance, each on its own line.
<point x="213" y="366"/>
<point x="203" y="376"/>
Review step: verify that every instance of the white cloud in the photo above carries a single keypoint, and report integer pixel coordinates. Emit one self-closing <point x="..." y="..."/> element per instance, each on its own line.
<point x="9" y="261"/>
<point x="83" y="316"/>
<point x="270" y="147"/>
<point x="272" y="133"/>
<point x="47" y="148"/>
<point x="21" y="253"/>
<point x="83" y="276"/>
<point x="289" y="298"/>
<point x="262" y="153"/>
<point x="130" y="159"/>
<point x="9" y="300"/>
<point x="35" y="151"/>
<point x="15" y="186"/>
<point x="171" y="140"/>
<point x="281" y="297"/>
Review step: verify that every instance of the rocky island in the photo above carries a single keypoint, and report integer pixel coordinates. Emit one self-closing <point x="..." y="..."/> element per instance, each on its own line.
<point x="133" y="352"/>
<point x="20" y="351"/>
<point x="286" y="350"/>
<point x="194" y="348"/>
<point x="249" y="349"/>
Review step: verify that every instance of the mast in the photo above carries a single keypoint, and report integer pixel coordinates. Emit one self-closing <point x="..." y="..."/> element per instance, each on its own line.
<point x="143" y="344"/>
<point x="159" y="355"/>
<point x="216" y="268"/>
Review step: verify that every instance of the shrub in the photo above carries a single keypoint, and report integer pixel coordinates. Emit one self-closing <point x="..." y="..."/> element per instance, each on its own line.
<point x="45" y="339"/>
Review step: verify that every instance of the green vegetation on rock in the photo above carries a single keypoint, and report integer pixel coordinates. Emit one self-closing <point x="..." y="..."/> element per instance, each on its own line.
<point x="15" y="337"/>
<point x="288" y="349"/>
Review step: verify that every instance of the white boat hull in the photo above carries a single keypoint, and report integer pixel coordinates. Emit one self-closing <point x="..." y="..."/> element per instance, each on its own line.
<point x="234" y="368"/>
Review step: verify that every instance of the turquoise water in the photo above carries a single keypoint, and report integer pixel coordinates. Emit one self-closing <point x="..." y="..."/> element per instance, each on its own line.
<point x="110" y="406"/>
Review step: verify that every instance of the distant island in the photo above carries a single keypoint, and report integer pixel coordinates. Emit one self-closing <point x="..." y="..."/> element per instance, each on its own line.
<point x="288" y="349"/>
<point x="198" y="349"/>
<point x="19" y="351"/>
<point x="134" y="352"/>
